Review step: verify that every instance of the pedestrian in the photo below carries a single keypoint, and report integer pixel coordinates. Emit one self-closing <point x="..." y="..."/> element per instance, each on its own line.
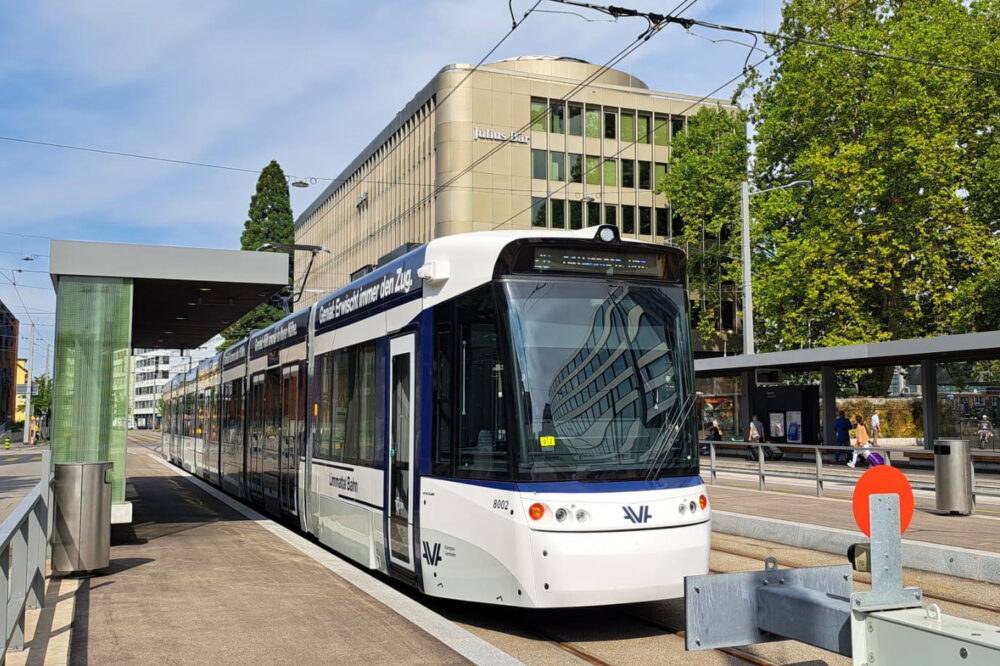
<point x="876" y="427"/>
<point x="842" y="426"/>
<point x="755" y="433"/>
<point x="714" y="434"/>
<point x="861" y="440"/>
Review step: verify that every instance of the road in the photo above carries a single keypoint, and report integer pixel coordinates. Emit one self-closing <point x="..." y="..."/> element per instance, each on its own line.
<point x="19" y="472"/>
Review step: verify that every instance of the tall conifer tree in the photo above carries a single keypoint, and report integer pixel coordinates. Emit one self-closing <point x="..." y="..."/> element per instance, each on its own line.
<point x="270" y="221"/>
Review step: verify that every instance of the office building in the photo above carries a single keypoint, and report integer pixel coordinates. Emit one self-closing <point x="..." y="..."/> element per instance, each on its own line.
<point x="520" y="144"/>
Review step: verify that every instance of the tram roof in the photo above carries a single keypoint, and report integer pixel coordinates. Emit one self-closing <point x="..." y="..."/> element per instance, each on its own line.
<point x="181" y="296"/>
<point x="963" y="347"/>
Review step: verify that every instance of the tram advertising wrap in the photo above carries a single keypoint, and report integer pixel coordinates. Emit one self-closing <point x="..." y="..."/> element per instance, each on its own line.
<point x="498" y="417"/>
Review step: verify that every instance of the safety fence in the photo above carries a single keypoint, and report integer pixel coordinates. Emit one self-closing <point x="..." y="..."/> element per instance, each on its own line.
<point x="815" y="452"/>
<point x="24" y="541"/>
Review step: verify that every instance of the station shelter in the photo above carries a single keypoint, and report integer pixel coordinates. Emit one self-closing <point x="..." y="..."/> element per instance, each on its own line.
<point x="111" y="298"/>
<point x="755" y="369"/>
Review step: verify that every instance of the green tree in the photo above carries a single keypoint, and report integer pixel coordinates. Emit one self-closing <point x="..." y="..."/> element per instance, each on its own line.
<point x="898" y="238"/>
<point x="703" y="187"/>
<point x="270" y="221"/>
<point x="42" y="403"/>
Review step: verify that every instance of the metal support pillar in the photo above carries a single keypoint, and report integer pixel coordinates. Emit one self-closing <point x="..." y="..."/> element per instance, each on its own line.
<point x="828" y="389"/>
<point x="928" y="370"/>
<point x="747" y="384"/>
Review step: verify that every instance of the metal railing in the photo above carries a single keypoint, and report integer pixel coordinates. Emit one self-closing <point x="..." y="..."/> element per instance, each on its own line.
<point x="817" y="451"/>
<point x="24" y="542"/>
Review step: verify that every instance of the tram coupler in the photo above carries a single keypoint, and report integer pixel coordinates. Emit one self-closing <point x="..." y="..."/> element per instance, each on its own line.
<point x="885" y="626"/>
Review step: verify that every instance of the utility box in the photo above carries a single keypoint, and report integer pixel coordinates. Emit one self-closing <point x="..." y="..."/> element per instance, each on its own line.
<point x="81" y="540"/>
<point x="953" y="476"/>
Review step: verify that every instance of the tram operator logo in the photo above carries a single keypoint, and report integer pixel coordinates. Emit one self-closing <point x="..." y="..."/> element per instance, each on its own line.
<point x="640" y="516"/>
<point x="432" y="553"/>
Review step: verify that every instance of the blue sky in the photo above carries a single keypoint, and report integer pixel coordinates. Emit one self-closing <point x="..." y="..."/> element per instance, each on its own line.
<point x="238" y="83"/>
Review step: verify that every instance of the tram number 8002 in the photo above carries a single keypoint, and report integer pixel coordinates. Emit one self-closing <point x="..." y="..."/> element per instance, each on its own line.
<point x="501" y="504"/>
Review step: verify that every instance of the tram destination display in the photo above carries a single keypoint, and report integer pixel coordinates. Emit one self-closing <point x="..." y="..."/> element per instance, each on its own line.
<point x="598" y="260"/>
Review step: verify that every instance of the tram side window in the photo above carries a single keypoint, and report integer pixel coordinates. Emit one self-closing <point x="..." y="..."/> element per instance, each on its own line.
<point x="471" y="422"/>
<point x="324" y="370"/>
<point x="347" y="405"/>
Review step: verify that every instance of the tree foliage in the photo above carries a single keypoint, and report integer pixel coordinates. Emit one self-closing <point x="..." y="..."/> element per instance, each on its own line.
<point x="41" y="403"/>
<point x="707" y="165"/>
<point x="899" y="236"/>
<point x="270" y="221"/>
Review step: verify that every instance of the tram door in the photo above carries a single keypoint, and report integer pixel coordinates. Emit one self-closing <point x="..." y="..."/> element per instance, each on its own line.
<point x="255" y="439"/>
<point x="292" y="432"/>
<point x="401" y="441"/>
<point x="270" y="451"/>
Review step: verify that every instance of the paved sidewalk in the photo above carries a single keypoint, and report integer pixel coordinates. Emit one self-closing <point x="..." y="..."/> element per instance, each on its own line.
<point x="195" y="582"/>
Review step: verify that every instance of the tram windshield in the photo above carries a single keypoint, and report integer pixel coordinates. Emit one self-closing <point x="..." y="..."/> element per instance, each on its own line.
<point x="602" y="380"/>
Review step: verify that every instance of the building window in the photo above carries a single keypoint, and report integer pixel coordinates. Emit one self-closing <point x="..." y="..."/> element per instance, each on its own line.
<point x="645" y="221"/>
<point x="676" y="126"/>
<point x="661" y="130"/>
<point x="575" y="214"/>
<point x="558" y="214"/>
<point x="610" y="215"/>
<point x="644" y="175"/>
<point x="592" y="121"/>
<point x="628" y="126"/>
<point x="538" y="115"/>
<point x="576" y="120"/>
<point x="610" y="121"/>
<point x="557" y="166"/>
<point x="628" y="173"/>
<point x="661" y="172"/>
<point x="593" y="170"/>
<point x="593" y="213"/>
<point x="628" y="219"/>
<point x="556" y="124"/>
<point x="663" y="222"/>
<point x="642" y="131"/>
<point x="610" y="173"/>
<point x="537" y="211"/>
<point x="575" y="168"/>
<point x="538" y="164"/>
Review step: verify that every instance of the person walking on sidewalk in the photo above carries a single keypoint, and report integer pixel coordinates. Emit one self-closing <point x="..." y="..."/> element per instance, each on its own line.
<point x="861" y="440"/>
<point x="842" y="426"/>
<point x="755" y="434"/>
<point x="876" y="427"/>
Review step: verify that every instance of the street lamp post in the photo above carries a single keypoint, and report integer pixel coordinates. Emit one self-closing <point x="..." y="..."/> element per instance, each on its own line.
<point x="748" y="343"/>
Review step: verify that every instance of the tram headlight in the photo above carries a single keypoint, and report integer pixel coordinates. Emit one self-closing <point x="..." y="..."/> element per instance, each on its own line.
<point x="703" y="502"/>
<point x="606" y="234"/>
<point x="582" y="516"/>
<point x="682" y="508"/>
<point x="561" y="514"/>
<point x="536" y="511"/>
<point x="692" y="506"/>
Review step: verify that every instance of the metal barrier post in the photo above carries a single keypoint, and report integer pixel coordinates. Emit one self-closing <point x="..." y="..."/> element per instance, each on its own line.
<point x="711" y="462"/>
<point x="760" y="467"/>
<point x="819" y="472"/>
<point x="19" y="579"/>
<point x="36" y="583"/>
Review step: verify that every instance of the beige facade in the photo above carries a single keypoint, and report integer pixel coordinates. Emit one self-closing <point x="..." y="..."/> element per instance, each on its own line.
<point x="519" y="144"/>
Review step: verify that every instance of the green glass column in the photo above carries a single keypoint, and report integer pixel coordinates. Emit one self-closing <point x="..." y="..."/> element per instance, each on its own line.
<point x="91" y="382"/>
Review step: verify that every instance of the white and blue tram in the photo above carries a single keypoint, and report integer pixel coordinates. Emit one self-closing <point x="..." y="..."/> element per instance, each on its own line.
<point x="500" y="417"/>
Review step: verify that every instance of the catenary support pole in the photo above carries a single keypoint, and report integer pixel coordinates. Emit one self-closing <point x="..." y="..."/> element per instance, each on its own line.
<point x="748" y="344"/>
<point x="27" y="393"/>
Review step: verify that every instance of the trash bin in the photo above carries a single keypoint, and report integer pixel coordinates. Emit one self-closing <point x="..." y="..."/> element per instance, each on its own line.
<point x="81" y="540"/>
<point x="953" y="476"/>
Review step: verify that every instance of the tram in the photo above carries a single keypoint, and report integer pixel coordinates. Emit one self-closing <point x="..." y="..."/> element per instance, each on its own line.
<point x="497" y="417"/>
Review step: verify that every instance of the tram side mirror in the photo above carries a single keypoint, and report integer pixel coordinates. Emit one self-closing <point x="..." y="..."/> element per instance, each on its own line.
<point x="860" y="555"/>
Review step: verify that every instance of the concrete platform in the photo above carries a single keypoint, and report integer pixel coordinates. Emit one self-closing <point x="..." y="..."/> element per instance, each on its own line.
<point x="195" y="581"/>
<point x="964" y="546"/>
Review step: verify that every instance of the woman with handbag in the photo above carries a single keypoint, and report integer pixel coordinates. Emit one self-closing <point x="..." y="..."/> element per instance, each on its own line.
<point x="863" y="440"/>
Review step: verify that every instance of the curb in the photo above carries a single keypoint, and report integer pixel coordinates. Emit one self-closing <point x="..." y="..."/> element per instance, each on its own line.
<point x="967" y="563"/>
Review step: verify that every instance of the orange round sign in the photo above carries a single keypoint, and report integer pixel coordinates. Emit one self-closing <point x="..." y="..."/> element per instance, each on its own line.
<point x="882" y="480"/>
